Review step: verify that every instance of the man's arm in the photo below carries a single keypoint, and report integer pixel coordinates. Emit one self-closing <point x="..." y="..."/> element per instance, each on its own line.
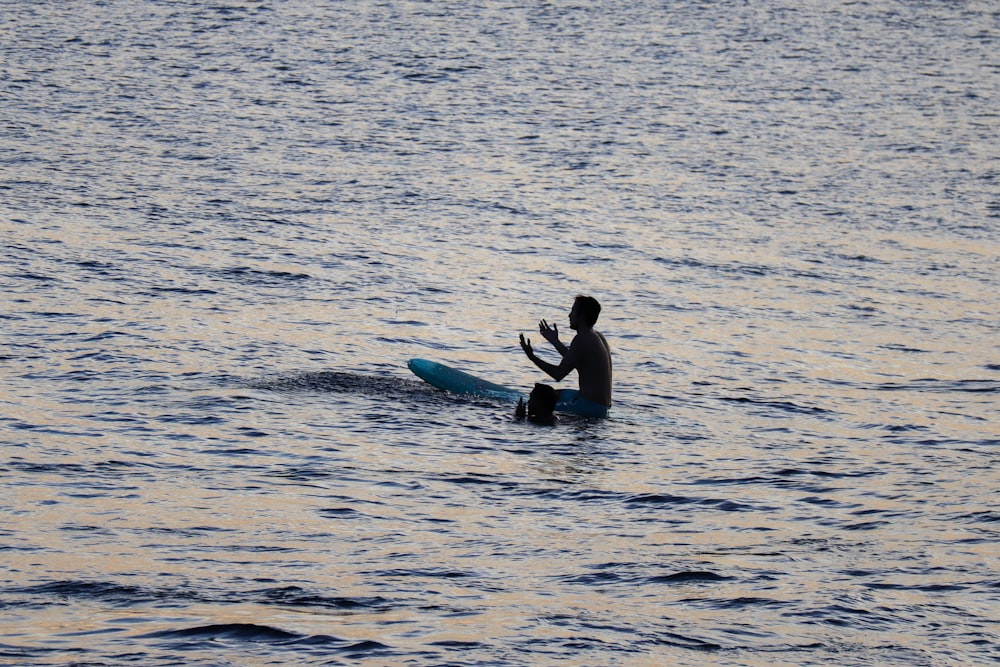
<point x="555" y="372"/>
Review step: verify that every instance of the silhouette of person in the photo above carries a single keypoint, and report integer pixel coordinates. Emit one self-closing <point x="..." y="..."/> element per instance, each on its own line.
<point x="541" y="404"/>
<point x="588" y="354"/>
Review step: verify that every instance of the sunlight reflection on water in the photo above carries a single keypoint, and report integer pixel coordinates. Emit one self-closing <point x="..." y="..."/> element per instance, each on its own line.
<point x="229" y="227"/>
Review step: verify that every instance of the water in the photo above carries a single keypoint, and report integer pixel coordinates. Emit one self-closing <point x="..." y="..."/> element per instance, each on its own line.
<point x="227" y="226"/>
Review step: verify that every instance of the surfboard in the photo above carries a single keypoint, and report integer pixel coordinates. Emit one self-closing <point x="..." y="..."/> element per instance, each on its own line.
<point x="459" y="382"/>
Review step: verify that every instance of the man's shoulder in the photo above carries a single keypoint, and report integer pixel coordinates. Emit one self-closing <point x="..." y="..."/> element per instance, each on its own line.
<point x="590" y="339"/>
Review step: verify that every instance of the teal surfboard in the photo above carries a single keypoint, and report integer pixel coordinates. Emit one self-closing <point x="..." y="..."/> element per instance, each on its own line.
<point x="459" y="382"/>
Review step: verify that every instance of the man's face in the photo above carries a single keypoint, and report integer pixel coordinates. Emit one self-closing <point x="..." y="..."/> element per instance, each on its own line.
<point x="574" y="316"/>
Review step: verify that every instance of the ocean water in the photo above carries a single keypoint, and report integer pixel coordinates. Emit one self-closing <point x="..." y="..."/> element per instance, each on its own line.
<point x="227" y="226"/>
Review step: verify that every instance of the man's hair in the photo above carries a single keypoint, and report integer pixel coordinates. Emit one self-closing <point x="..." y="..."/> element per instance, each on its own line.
<point x="589" y="308"/>
<point x="545" y="398"/>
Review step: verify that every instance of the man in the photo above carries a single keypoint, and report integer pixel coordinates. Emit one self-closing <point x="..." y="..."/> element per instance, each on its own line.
<point x="588" y="354"/>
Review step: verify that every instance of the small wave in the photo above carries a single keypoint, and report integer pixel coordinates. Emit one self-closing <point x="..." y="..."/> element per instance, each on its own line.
<point x="942" y="386"/>
<point x="248" y="276"/>
<point x="633" y="574"/>
<point x="795" y="472"/>
<point x="723" y="504"/>
<point x="471" y="479"/>
<point x="186" y="291"/>
<point x="577" y="495"/>
<point x="435" y="573"/>
<point x="742" y="603"/>
<point x="780" y="406"/>
<point x="843" y="615"/>
<point x="265" y="634"/>
<point x="735" y="269"/>
<point x="984" y="516"/>
<point x="458" y="645"/>
<point x="237" y="631"/>
<point x="340" y="513"/>
<point x="648" y="500"/>
<point x="866" y="525"/>
<point x="117" y="594"/>
<point x="924" y="588"/>
<point x="682" y="641"/>
<point x="899" y="347"/>
<point x="596" y="578"/>
<point x="36" y="277"/>
<point x="689" y="577"/>
<point x="294" y="596"/>
<point x="127" y="595"/>
<point x="658" y="499"/>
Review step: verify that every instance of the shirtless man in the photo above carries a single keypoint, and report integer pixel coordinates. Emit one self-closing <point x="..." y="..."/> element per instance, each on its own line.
<point x="588" y="353"/>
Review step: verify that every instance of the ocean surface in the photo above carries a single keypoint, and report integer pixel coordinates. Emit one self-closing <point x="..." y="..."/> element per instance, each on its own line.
<point x="226" y="227"/>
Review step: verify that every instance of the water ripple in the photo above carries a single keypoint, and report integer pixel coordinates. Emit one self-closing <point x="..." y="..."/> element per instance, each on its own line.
<point x="228" y="226"/>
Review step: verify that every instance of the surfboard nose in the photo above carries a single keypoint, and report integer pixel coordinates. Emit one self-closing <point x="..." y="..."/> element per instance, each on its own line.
<point x="419" y="365"/>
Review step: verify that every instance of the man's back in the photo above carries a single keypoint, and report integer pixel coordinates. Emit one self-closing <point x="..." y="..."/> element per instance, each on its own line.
<point x="593" y="365"/>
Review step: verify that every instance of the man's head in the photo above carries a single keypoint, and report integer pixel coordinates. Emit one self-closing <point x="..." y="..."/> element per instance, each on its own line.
<point x="586" y="310"/>
<point x="542" y="401"/>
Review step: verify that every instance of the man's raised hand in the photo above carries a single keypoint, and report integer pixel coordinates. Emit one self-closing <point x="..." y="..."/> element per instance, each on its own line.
<point x="549" y="333"/>
<point x="526" y="346"/>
